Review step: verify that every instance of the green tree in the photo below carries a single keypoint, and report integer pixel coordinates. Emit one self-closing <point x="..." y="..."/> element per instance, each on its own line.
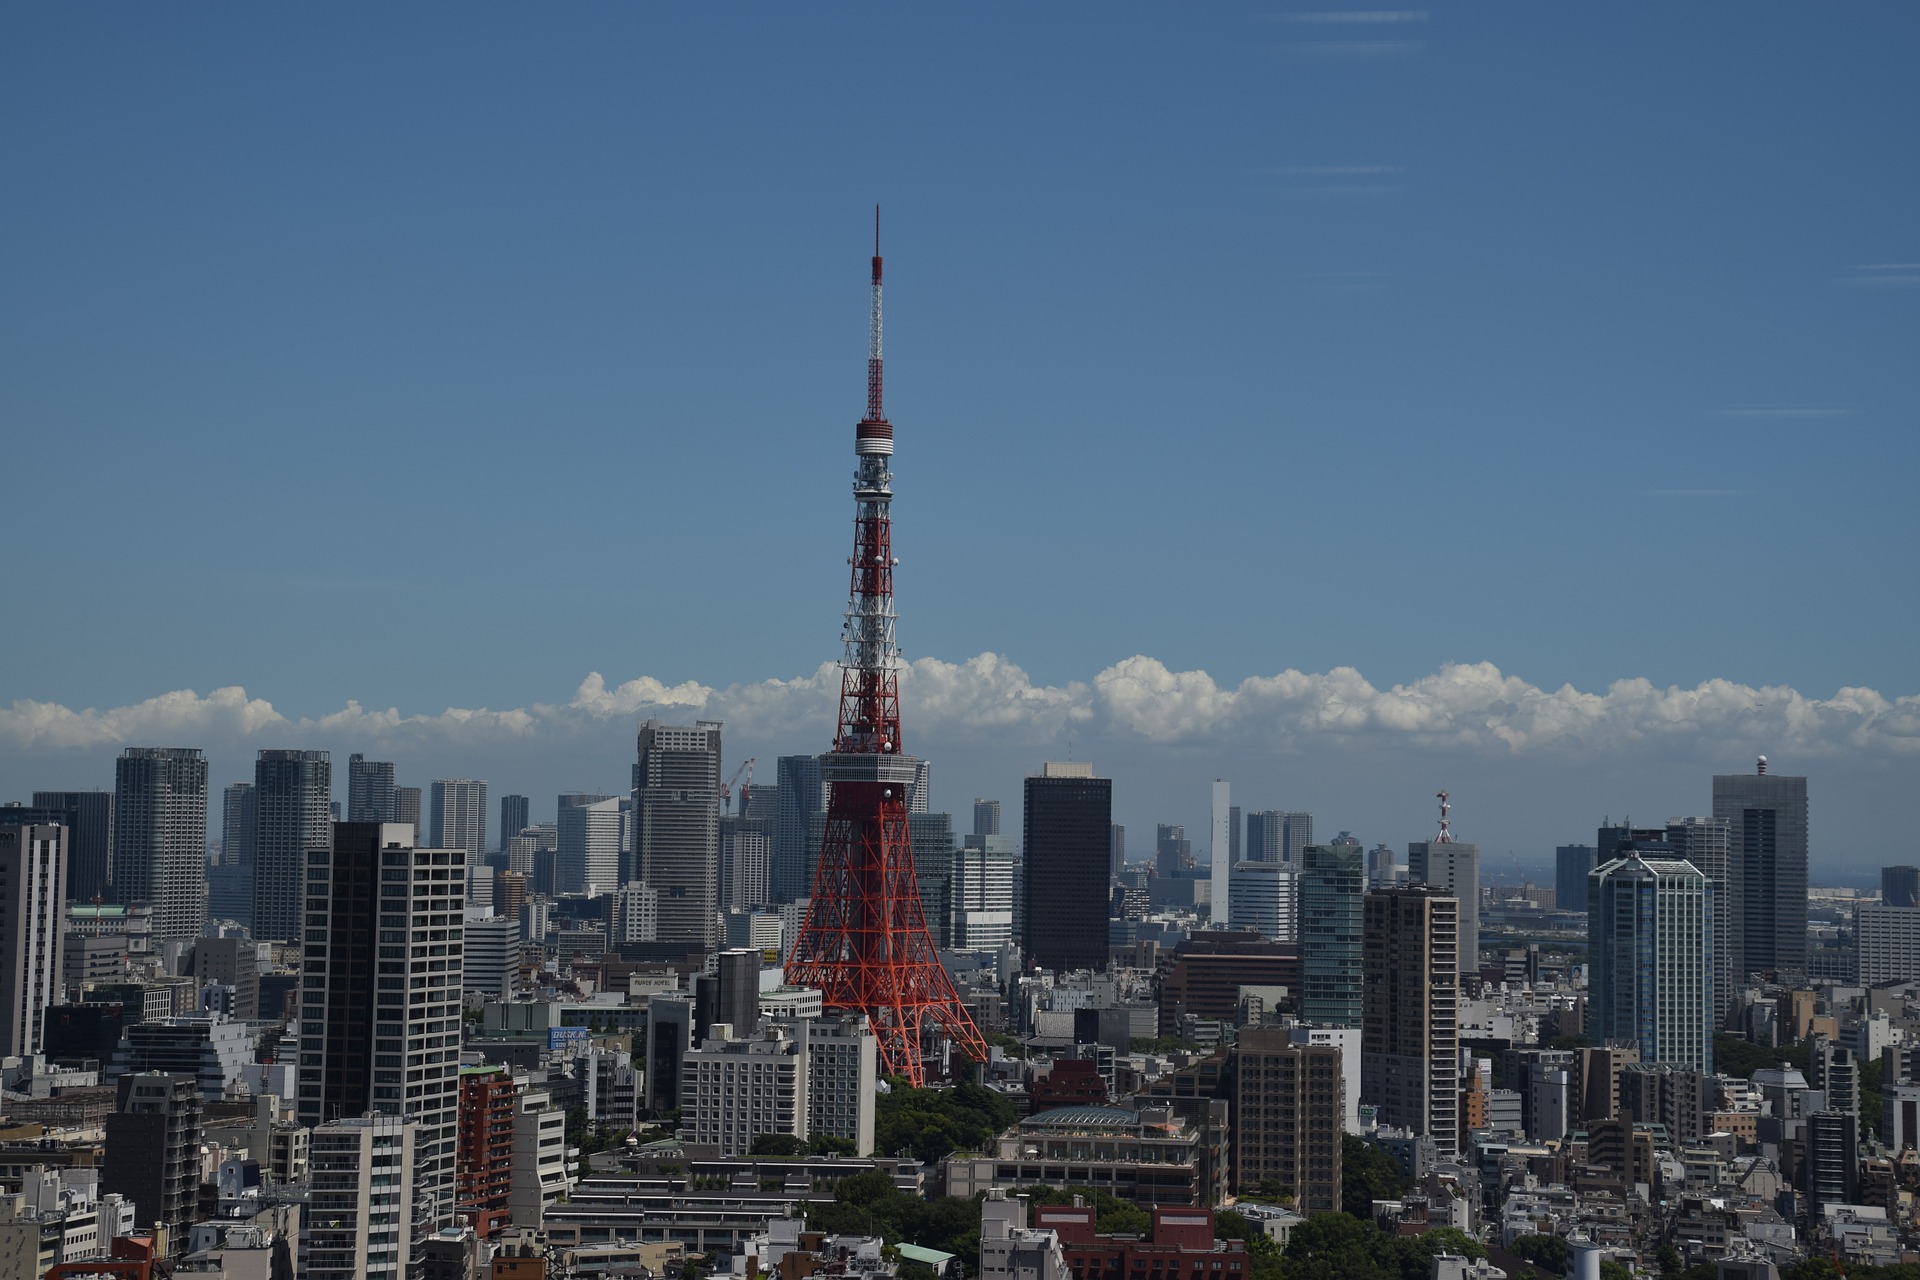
<point x="1550" y="1252"/>
<point x="1611" y="1270"/>
<point x="826" y="1144"/>
<point x="1367" y="1174"/>
<point x="778" y="1144"/>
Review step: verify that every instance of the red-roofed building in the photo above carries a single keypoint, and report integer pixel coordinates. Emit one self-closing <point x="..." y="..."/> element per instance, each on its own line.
<point x="1180" y="1247"/>
<point x="1073" y="1082"/>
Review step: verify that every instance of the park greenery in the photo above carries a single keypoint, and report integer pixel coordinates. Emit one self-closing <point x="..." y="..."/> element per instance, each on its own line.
<point x="932" y="1124"/>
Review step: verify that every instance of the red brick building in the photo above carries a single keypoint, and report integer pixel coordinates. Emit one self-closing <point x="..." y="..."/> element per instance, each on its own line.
<point x="1073" y="1082"/>
<point x="1180" y="1247"/>
<point x="483" y="1160"/>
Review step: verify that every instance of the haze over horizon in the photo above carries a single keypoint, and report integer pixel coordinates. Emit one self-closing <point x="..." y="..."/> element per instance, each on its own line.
<point x="1347" y="403"/>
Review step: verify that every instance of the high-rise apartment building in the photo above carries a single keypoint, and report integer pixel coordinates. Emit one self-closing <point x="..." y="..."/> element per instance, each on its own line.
<point x="738" y="1087"/>
<point x="1331" y="883"/>
<point x="153" y="1151"/>
<point x="33" y="902"/>
<point x="380" y="1014"/>
<point x="1287" y="1116"/>
<point x="291" y="790"/>
<point x="1767" y="814"/>
<point x="799" y="794"/>
<point x="406" y="807"/>
<point x="1571" y="865"/>
<point x="459" y="816"/>
<point x="842" y="1078"/>
<point x="588" y="855"/>
<point x="1899" y="886"/>
<point x="1887" y="940"/>
<point x="239" y="827"/>
<point x="1263" y="836"/>
<point x="483" y="1162"/>
<point x="1221" y="854"/>
<point x="515" y="817"/>
<point x="89" y="818"/>
<point x="1172" y="851"/>
<point x="986" y="817"/>
<point x="1067" y="822"/>
<point x="1410" y="1022"/>
<point x="360" y="1222"/>
<point x="931" y="835"/>
<point x="676" y="804"/>
<point x="746" y="862"/>
<point x="1708" y="844"/>
<point x="160" y="836"/>
<point x="230" y="962"/>
<point x="1650" y="942"/>
<point x="1453" y="867"/>
<point x="370" y="790"/>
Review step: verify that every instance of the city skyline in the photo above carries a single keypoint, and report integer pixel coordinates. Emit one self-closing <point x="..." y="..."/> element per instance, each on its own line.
<point x="1287" y="216"/>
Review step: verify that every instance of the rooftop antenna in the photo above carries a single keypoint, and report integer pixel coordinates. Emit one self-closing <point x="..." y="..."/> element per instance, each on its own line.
<point x="1446" y="832"/>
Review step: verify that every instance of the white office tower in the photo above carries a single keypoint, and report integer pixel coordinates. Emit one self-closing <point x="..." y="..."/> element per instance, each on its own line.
<point x="638" y="908"/>
<point x="842" y="1072"/>
<point x="1221" y="858"/>
<point x="734" y="1090"/>
<point x="1650" y="921"/>
<point x="360" y="1213"/>
<point x="459" y="815"/>
<point x="33" y="886"/>
<point x="983" y="882"/>
<point x="522" y="850"/>
<point x="759" y="930"/>
<point x="1263" y="900"/>
<point x="589" y="854"/>
<point x="493" y="955"/>
<point x="540" y="1174"/>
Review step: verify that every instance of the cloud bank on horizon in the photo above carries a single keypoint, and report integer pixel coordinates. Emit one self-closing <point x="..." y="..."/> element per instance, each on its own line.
<point x="989" y="699"/>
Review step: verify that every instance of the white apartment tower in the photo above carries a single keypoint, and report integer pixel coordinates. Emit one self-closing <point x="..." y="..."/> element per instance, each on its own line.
<point x="676" y="806"/>
<point x="33" y="887"/>
<point x="359" y="1220"/>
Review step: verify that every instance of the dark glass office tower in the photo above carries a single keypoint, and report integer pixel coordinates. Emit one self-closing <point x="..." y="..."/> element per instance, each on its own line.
<point x="1767" y="813"/>
<point x="370" y="790"/>
<point x="89" y="817"/>
<point x="1068" y="841"/>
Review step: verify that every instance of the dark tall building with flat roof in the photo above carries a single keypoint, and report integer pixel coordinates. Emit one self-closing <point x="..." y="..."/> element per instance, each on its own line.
<point x="1767" y="861"/>
<point x="1409" y="1033"/>
<point x="153" y="1151"/>
<point x="986" y="817"/>
<point x="89" y="820"/>
<point x="798" y="796"/>
<point x="1899" y="886"/>
<point x="406" y="806"/>
<point x="514" y="818"/>
<point x="369" y="790"/>
<point x="676" y="834"/>
<point x="1571" y="863"/>
<point x="1332" y="880"/>
<point x="1068" y="843"/>
<point x="291" y="790"/>
<point x="160" y="836"/>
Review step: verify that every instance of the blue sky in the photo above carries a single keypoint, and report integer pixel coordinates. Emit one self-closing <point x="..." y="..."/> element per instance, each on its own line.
<point x="437" y="357"/>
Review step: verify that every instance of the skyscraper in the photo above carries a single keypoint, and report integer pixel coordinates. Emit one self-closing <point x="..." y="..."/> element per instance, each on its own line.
<point x="406" y="807"/>
<point x="1263" y="836"/>
<point x="1172" y="851"/>
<point x="1650" y="939"/>
<point x="160" y="836"/>
<point x="514" y="817"/>
<point x="370" y="1042"/>
<point x="1221" y="851"/>
<point x="1571" y="864"/>
<point x="746" y="860"/>
<point x="1409" y="1032"/>
<point x="1234" y="827"/>
<point x="1899" y="886"/>
<point x="983" y="892"/>
<point x="798" y="796"/>
<point x="1453" y="867"/>
<point x="1708" y="844"/>
<point x="360" y="1221"/>
<point x="933" y="852"/>
<point x="1117" y="850"/>
<point x="291" y="790"/>
<point x="459" y="815"/>
<point x="33" y="899"/>
<point x="239" y="825"/>
<point x="1767" y="813"/>
<point x="676" y="803"/>
<point x="1296" y="833"/>
<point x="1067" y="835"/>
<point x="589" y="845"/>
<point x="89" y="840"/>
<point x="1332" y="880"/>
<point x="370" y="790"/>
<point x="153" y="1150"/>
<point x="1263" y="899"/>
<point x="986" y="817"/>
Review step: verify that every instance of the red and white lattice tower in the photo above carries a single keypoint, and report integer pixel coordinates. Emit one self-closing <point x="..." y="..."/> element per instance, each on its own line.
<point x="865" y="943"/>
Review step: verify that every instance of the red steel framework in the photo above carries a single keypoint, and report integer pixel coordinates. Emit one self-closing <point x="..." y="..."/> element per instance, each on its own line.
<point x="865" y="943"/>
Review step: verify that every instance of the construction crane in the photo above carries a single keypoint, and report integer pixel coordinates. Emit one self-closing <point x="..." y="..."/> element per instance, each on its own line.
<point x="726" y="788"/>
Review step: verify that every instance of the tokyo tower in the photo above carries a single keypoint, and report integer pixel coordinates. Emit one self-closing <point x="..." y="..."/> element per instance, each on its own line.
<point x="865" y="944"/>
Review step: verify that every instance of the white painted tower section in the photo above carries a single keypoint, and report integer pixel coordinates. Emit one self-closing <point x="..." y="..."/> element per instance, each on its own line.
<point x="1221" y="858"/>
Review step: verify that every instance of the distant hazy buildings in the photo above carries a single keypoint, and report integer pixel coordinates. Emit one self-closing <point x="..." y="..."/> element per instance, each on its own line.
<point x="676" y="806"/>
<point x="1221" y="853"/>
<point x="1066" y="842"/>
<point x="1650" y="943"/>
<point x="89" y="818"/>
<point x="1571" y="865"/>
<point x="514" y="818"/>
<point x="1767" y="814"/>
<point x="160" y="836"/>
<point x="291" y="790"/>
<point x="986" y="817"/>
<point x="1899" y="886"/>
<point x="459" y="816"/>
<point x="406" y="807"/>
<point x="798" y="795"/>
